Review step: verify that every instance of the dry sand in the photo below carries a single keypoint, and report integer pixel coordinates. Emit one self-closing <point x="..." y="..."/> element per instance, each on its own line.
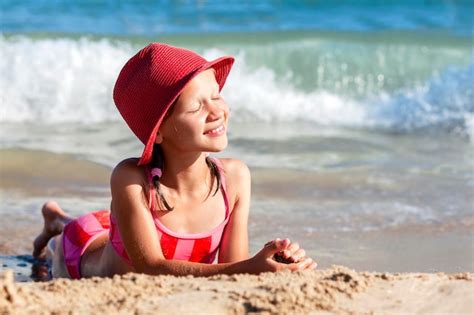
<point x="336" y="290"/>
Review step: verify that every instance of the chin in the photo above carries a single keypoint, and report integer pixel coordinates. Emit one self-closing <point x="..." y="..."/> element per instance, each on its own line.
<point x="217" y="147"/>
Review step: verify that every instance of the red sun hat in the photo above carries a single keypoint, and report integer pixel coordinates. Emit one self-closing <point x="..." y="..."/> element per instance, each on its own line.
<point x="152" y="80"/>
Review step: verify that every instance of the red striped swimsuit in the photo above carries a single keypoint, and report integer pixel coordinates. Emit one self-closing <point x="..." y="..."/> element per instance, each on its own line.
<point x="200" y="247"/>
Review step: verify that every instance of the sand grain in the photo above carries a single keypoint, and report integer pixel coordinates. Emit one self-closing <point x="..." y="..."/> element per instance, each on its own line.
<point x="336" y="290"/>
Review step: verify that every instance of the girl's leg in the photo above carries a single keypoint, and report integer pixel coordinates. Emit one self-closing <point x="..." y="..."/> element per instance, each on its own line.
<point x="91" y="262"/>
<point x="54" y="221"/>
<point x="58" y="267"/>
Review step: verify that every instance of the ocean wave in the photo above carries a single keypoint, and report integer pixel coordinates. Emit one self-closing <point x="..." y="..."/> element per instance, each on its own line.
<point x="445" y="101"/>
<point x="59" y="80"/>
<point x="71" y="80"/>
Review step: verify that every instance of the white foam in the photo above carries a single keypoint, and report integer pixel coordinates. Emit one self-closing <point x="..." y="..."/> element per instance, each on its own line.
<point x="59" y="80"/>
<point x="469" y="121"/>
<point x="257" y="94"/>
<point x="67" y="80"/>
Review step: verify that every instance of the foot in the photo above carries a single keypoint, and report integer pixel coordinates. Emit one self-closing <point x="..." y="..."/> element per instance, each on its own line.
<point x="54" y="220"/>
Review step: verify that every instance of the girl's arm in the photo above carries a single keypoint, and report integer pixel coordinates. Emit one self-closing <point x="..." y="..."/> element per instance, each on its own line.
<point x="234" y="243"/>
<point x="141" y="241"/>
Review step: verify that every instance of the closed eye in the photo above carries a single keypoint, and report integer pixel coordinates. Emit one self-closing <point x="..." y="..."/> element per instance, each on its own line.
<point x="196" y="110"/>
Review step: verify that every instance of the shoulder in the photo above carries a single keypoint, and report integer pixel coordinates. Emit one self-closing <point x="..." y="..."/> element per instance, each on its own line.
<point x="127" y="172"/>
<point x="235" y="170"/>
<point x="128" y="185"/>
<point x="238" y="179"/>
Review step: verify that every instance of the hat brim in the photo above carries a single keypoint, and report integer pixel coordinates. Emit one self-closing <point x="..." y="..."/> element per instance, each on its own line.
<point x="222" y="66"/>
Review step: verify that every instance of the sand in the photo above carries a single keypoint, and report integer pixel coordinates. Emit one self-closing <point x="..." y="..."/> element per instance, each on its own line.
<point x="337" y="290"/>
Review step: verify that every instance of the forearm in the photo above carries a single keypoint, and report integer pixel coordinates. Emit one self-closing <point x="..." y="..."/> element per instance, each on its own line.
<point x="184" y="268"/>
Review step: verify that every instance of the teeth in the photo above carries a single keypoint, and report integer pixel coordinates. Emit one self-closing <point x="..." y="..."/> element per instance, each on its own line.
<point x="217" y="130"/>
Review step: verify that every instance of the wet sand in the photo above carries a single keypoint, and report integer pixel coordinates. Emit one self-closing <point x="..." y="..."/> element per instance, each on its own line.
<point x="329" y="235"/>
<point x="445" y="246"/>
<point x="337" y="290"/>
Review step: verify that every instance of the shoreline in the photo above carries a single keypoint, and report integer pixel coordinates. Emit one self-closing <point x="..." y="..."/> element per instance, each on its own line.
<point x="338" y="290"/>
<point x="323" y="219"/>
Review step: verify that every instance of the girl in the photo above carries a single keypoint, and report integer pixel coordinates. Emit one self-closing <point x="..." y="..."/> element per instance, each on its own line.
<point x="175" y="209"/>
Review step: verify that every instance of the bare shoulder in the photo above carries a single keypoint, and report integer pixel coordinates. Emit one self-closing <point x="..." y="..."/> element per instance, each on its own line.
<point x="126" y="172"/>
<point x="238" y="181"/>
<point x="235" y="170"/>
<point x="127" y="185"/>
<point x="238" y="185"/>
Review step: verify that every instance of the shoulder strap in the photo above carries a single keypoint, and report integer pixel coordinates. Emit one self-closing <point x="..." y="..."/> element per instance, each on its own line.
<point x="151" y="190"/>
<point x="221" y="170"/>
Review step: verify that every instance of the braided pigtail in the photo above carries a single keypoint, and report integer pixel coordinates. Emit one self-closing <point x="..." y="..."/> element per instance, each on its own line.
<point x="215" y="174"/>
<point x="156" y="165"/>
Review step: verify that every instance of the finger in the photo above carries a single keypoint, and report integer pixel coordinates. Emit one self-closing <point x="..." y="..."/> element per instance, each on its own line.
<point x="298" y="255"/>
<point x="275" y="246"/>
<point x="278" y="265"/>
<point x="291" y="250"/>
<point x="305" y="263"/>
<point x="291" y="267"/>
<point x="268" y="244"/>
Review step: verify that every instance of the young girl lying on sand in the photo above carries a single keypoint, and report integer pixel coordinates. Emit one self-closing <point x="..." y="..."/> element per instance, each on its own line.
<point x="174" y="209"/>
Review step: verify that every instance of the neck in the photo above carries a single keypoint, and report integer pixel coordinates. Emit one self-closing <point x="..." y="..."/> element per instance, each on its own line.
<point x="185" y="172"/>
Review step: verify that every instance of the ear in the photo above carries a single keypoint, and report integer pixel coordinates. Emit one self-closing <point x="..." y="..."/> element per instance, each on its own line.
<point x="159" y="138"/>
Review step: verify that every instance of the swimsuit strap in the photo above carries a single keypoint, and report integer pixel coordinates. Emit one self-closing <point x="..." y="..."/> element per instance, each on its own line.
<point x="220" y="169"/>
<point x="151" y="190"/>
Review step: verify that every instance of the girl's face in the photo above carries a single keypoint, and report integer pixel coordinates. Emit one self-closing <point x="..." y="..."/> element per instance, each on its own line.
<point x="198" y="121"/>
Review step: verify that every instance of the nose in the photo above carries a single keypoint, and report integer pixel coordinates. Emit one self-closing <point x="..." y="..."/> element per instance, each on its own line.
<point x="217" y="109"/>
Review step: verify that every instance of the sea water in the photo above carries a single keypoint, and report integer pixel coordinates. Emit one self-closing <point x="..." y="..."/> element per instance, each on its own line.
<point x="357" y="121"/>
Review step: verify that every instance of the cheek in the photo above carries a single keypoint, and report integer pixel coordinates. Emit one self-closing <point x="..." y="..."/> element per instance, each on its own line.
<point x="188" y="127"/>
<point x="225" y="109"/>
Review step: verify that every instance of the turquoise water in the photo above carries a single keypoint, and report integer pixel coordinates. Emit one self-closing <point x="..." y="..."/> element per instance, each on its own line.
<point x="397" y="66"/>
<point x="397" y="82"/>
<point x="149" y="18"/>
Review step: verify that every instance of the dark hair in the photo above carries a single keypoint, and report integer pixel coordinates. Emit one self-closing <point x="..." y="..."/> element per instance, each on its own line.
<point x="157" y="160"/>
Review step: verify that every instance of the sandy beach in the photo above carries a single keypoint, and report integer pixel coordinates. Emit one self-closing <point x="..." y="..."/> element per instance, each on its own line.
<point x="337" y="290"/>
<point x="334" y="290"/>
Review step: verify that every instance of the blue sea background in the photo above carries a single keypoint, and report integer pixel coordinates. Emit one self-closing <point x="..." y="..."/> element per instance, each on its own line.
<point x="356" y="117"/>
<point x="399" y="65"/>
<point x="152" y="18"/>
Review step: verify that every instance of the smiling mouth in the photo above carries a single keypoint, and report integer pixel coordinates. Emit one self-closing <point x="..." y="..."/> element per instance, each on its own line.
<point x="217" y="131"/>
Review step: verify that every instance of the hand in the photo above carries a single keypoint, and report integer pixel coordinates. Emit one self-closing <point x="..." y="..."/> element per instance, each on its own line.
<point x="292" y="254"/>
<point x="263" y="261"/>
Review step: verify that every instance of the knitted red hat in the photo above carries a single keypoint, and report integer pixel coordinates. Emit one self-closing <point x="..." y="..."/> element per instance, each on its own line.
<point x="150" y="82"/>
